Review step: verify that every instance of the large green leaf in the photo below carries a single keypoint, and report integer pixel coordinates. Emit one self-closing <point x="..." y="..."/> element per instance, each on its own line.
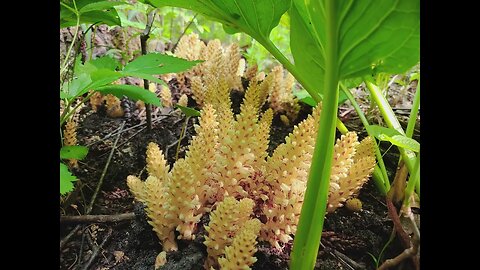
<point x="66" y="179"/>
<point x="381" y="35"/>
<point x="254" y="17"/>
<point x="131" y="91"/>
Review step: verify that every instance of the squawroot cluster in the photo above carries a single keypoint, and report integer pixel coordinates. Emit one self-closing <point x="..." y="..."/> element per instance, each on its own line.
<point x="227" y="161"/>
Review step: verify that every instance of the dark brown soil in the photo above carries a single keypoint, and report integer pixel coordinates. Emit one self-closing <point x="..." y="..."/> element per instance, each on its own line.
<point x="133" y="245"/>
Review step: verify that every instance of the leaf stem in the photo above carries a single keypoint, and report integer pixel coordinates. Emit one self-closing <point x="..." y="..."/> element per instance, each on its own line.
<point x="64" y="117"/>
<point x="414" y="113"/>
<point x="411" y="125"/>
<point x="65" y="61"/>
<point x="309" y="230"/>
<point x="392" y="122"/>
<point x="414" y="178"/>
<point x="381" y="181"/>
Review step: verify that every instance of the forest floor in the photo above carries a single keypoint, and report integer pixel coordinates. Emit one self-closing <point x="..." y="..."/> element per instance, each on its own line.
<point x="350" y="240"/>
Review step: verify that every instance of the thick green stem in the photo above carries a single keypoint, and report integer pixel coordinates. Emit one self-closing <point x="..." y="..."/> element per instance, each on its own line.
<point x="380" y="176"/>
<point x="392" y="122"/>
<point x="309" y="231"/>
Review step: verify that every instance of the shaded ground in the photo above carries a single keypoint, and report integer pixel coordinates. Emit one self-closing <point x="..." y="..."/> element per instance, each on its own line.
<point x="132" y="244"/>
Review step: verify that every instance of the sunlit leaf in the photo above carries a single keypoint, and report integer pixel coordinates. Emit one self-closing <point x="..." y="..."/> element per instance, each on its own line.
<point x="254" y="17"/>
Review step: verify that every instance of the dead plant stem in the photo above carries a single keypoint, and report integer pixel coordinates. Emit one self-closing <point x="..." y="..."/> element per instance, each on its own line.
<point x="97" y="218"/>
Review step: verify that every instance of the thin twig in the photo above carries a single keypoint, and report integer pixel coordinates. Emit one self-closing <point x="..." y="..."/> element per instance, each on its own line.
<point x="407" y="253"/>
<point x="344" y="259"/>
<point x="97" y="249"/>
<point x="97" y="218"/>
<point x="182" y="134"/>
<point x="68" y="236"/>
<point x="129" y="138"/>
<point x="184" y="31"/>
<point x="80" y="253"/>
<point x="351" y="263"/>
<point x="89" y="208"/>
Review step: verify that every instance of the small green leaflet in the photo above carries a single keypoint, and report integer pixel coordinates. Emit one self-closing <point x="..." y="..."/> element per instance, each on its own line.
<point x="66" y="179"/>
<point x="73" y="152"/>
<point x="188" y="111"/>
<point x="393" y="136"/>
<point x="131" y="91"/>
